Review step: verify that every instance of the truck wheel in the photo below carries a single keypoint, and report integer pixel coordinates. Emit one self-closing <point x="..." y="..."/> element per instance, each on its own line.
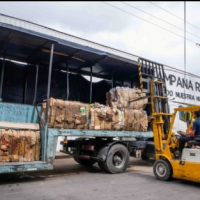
<point x="162" y="170"/>
<point x="144" y="157"/>
<point x="84" y="162"/>
<point x="102" y="166"/>
<point x="117" y="159"/>
<point x="76" y="159"/>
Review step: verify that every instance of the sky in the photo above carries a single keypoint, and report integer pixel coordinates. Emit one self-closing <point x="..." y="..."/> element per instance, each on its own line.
<point x="103" y="24"/>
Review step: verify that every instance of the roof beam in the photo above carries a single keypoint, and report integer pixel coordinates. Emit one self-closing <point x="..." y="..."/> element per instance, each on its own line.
<point x="45" y="50"/>
<point x="37" y="51"/>
<point x="74" y="72"/>
<point x="62" y="54"/>
<point x="4" y="46"/>
<point x="123" y="59"/>
<point x="92" y="63"/>
<point x="65" y="59"/>
<point x="112" y="68"/>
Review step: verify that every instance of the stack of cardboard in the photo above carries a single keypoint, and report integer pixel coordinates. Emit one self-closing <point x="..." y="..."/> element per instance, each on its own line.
<point x="126" y="98"/>
<point x="66" y="114"/>
<point x="75" y="115"/>
<point x="135" y="120"/>
<point x="19" y="145"/>
<point x="106" y="118"/>
<point x="133" y="101"/>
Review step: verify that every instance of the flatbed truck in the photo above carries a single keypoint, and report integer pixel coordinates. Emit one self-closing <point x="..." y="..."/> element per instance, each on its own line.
<point x="47" y="51"/>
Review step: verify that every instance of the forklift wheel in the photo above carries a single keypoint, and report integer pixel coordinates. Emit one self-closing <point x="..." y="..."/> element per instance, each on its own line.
<point x="162" y="170"/>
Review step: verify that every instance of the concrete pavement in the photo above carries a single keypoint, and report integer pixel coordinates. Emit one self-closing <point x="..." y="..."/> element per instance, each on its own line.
<point x="71" y="181"/>
<point x="60" y="155"/>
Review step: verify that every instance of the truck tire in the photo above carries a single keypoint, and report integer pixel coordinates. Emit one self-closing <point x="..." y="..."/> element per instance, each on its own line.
<point x="144" y="157"/>
<point x="102" y="166"/>
<point x="117" y="159"/>
<point x="162" y="170"/>
<point x="75" y="158"/>
<point x="84" y="162"/>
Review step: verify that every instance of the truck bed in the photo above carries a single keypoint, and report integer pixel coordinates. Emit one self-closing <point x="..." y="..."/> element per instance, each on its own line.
<point x="99" y="133"/>
<point x="10" y="167"/>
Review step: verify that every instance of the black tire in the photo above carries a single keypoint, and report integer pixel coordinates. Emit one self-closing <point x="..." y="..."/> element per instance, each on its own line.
<point x="144" y="157"/>
<point x="162" y="170"/>
<point x="102" y="166"/>
<point x="84" y="162"/>
<point x="75" y="158"/>
<point x="117" y="159"/>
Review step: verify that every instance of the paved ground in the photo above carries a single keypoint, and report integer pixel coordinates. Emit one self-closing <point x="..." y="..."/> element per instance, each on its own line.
<point x="70" y="181"/>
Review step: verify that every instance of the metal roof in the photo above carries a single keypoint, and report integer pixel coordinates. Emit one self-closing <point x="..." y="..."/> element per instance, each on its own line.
<point x="64" y="36"/>
<point x="31" y="43"/>
<point x="72" y="42"/>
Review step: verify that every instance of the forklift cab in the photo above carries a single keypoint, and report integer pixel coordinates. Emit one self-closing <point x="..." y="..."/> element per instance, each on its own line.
<point x="192" y="154"/>
<point x="167" y="165"/>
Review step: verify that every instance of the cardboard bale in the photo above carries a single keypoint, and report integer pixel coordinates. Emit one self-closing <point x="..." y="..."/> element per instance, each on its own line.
<point x="66" y="114"/>
<point x="14" y="158"/>
<point x="126" y="98"/>
<point x="69" y="116"/>
<point x="105" y="118"/>
<point x="81" y="113"/>
<point x="3" y="153"/>
<point x="95" y="120"/>
<point x="57" y="113"/>
<point x="9" y="140"/>
<point x="135" y="120"/>
<point x="136" y="99"/>
<point x="30" y="141"/>
<point x="22" y="145"/>
<point x="4" y="159"/>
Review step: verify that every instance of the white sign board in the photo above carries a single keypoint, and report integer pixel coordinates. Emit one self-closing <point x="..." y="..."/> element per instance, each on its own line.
<point x="182" y="88"/>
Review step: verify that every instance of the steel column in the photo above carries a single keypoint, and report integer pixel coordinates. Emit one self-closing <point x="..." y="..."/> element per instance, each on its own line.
<point x="91" y="84"/>
<point x="67" y="66"/>
<point x="112" y="79"/>
<point x="36" y="82"/>
<point x="184" y="42"/>
<point x="2" y="76"/>
<point x="47" y="106"/>
<point x="25" y="86"/>
<point x="49" y="82"/>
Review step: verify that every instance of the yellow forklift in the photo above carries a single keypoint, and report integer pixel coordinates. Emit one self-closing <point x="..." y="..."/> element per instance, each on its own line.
<point x="168" y="164"/>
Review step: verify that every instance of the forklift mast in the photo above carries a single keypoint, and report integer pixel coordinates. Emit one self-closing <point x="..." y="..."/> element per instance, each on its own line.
<point x="152" y="81"/>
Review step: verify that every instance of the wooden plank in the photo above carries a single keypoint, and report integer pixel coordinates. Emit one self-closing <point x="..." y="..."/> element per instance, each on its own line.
<point x="30" y="126"/>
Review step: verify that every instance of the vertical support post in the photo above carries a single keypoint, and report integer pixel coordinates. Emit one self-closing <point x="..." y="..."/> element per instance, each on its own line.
<point x="67" y="66"/>
<point x="184" y="41"/>
<point x="132" y="81"/>
<point x="49" y="82"/>
<point x="122" y="82"/>
<point x="2" y="76"/>
<point x="91" y="84"/>
<point x="36" y="82"/>
<point x="47" y="105"/>
<point x="25" y="86"/>
<point x="112" y="81"/>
